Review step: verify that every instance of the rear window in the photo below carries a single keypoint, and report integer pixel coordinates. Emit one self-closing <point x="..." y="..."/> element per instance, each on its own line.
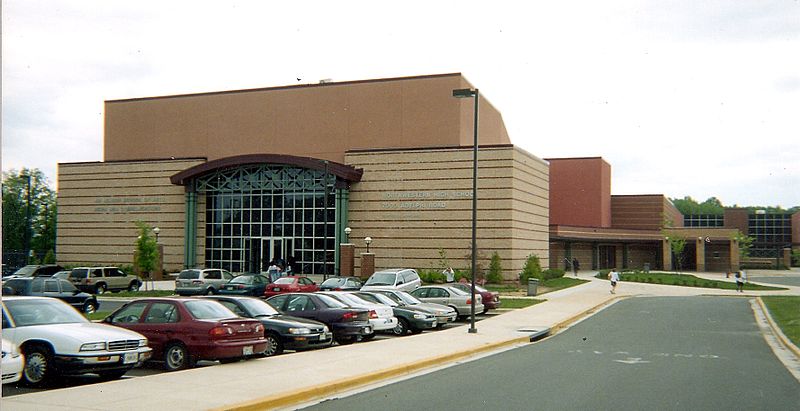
<point x="331" y="302"/>
<point x="381" y="279"/>
<point x="208" y="310"/>
<point x="26" y="271"/>
<point x="189" y="274"/>
<point x="18" y="286"/>
<point x="243" y="279"/>
<point x="284" y="280"/>
<point x="79" y="273"/>
<point x="334" y="282"/>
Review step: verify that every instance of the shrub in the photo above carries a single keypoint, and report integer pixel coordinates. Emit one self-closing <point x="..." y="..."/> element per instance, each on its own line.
<point x="532" y="269"/>
<point x="431" y="276"/>
<point x="495" y="275"/>
<point x="552" y="273"/>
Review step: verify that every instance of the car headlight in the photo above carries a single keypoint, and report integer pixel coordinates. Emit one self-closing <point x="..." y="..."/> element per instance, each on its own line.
<point x="143" y="342"/>
<point x="299" y="331"/>
<point x="419" y="316"/>
<point x="93" y="346"/>
<point x="325" y="329"/>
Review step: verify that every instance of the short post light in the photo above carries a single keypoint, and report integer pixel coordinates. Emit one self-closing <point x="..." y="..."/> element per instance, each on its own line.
<point x="156" y="231"/>
<point x="347" y="231"/>
<point x="367" y="240"/>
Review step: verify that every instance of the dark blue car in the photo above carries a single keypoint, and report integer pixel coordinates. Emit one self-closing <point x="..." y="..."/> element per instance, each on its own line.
<point x="245" y="284"/>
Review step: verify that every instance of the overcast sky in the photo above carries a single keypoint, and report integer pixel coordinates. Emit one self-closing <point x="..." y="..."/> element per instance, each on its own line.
<point x="682" y="98"/>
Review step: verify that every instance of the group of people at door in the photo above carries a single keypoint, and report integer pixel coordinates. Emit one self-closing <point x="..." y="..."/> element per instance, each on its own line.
<point x="278" y="268"/>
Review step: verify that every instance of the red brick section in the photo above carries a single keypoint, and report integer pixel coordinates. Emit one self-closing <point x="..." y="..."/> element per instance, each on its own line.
<point x="367" y="265"/>
<point x="347" y="259"/>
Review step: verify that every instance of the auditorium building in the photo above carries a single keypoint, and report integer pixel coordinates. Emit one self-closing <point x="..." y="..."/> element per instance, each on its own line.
<point x="235" y="179"/>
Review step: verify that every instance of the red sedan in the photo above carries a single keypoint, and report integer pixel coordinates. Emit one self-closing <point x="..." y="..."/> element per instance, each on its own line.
<point x="183" y="330"/>
<point x="491" y="299"/>
<point x="291" y="284"/>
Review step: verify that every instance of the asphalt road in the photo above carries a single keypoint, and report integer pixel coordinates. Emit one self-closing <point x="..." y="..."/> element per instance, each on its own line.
<point x="641" y="353"/>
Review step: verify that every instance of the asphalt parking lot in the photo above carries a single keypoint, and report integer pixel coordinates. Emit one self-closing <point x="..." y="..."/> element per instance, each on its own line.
<point x="154" y="368"/>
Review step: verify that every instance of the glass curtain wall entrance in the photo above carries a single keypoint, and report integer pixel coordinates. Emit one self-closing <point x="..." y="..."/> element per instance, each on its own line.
<point x="258" y="214"/>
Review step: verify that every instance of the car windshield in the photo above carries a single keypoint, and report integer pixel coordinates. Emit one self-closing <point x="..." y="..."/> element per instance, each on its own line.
<point x="407" y="298"/>
<point x="381" y="279"/>
<point x="189" y="274"/>
<point x="331" y="302"/>
<point x="333" y="282"/>
<point x="26" y="271"/>
<point x="258" y="308"/>
<point x="208" y="310"/>
<point x="285" y="280"/>
<point x="42" y="311"/>
<point x="379" y="299"/>
<point x="350" y="298"/>
<point x="243" y="279"/>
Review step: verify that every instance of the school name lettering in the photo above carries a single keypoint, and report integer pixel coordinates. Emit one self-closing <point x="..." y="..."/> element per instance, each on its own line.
<point x="115" y="205"/>
<point x="422" y="200"/>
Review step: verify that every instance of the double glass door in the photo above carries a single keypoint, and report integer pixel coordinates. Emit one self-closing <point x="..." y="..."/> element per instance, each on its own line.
<point x="265" y="250"/>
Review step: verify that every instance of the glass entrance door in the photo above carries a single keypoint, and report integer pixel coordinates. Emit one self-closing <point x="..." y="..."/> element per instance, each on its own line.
<point x="276" y="249"/>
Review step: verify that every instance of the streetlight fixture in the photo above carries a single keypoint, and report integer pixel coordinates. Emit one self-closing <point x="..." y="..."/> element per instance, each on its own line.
<point x="347" y="231"/>
<point x="368" y="240"/>
<point x="156" y="231"/>
<point x="466" y="93"/>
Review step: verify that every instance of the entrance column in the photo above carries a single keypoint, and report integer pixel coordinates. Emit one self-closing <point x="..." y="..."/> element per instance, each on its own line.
<point x="666" y="255"/>
<point x="700" y="254"/>
<point x="190" y="228"/>
<point x="734" y="247"/>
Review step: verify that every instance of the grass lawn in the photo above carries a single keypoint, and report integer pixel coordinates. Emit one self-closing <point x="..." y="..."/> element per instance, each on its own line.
<point x="511" y="302"/>
<point x="553" y="284"/>
<point x="99" y="315"/>
<point x="140" y="293"/>
<point x="785" y="310"/>
<point x="685" y="280"/>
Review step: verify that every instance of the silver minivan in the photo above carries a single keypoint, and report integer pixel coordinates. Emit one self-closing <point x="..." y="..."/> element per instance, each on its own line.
<point x="402" y="279"/>
<point x="201" y="281"/>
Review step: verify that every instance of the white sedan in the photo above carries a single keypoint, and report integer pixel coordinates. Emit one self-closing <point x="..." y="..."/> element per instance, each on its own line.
<point x="380" y="316"/>
<point x="13" y="361"/>
<point x="57" y="340"/>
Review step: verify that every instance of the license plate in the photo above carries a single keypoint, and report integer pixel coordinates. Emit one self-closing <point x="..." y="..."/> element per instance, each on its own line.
<point x="229" y="288"/>
<point x="130" y="358"/>
<point x="433" y="324"/>
<point x="247" y="350"/>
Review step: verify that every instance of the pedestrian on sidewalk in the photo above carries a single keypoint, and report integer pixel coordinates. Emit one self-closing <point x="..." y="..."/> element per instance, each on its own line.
<point x="576" y="265"/>
<point x="613" y="275"/>
<point x="739" y="282"/>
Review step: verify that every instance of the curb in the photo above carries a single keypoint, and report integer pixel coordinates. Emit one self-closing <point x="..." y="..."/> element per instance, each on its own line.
<point x="569" y="321"/>
<point x="323" y="390"/>
<point x="777" y="330"/>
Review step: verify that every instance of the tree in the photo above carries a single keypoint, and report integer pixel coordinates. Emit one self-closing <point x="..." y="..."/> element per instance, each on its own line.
<point x="531" y="269"/>
<point x="29" y="212"/>
<point x="495" y="275"/>
<point x="745" y="243"/>
<point x="677" y="243"/>
<point x="146" y="250"/>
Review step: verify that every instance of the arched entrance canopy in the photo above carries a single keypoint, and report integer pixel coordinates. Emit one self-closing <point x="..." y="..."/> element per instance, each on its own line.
<point x="341" y="171"/>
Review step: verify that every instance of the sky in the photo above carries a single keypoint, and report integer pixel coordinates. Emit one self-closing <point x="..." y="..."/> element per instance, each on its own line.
<point x="681" y="98"/>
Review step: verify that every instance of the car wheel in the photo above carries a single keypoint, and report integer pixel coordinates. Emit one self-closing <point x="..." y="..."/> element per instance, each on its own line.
<point x="38" y="366"/>
<point x="485" y="310"/>
<point x="345" y="340"/>
<point x="415" y="331"/>
<point x="89" y="307"/>
<point x="458" y="316"/>
<point x="367" y="337"/>
<point x="274" y="345"/>
<point x="210" y="291"/>
<point x="111" y="375"/>
<point x="176" y="357"/>
<point x="134" y="286"/>
<point x="100" y="288"/>
<point x="402" y="327"/>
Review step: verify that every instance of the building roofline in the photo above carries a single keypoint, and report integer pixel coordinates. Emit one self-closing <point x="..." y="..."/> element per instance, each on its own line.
<point x="136" y="160"/>
<point x="295" y="86"/>
<point x="372" y="150"/>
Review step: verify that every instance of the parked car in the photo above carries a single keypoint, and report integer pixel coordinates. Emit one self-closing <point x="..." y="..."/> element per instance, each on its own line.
<point x="409" y="319"/>
<point x="184" y="330"/>
<point x="347" y="323"/>
<point x="404" y="279"/>
<point x="490" y="299"/>
<point x="291" y="284"/>
<point x="203" y="281"/>
<point x="245" y="284"/>
<point x="450" y="296"/>
<point x="35" y="271"/>
<point x="52" y="287"/>
<point x="341" y="284"/>
<point x="57" y="340"/>
<point x="443" y="313"/>
<point x="13" y="362"/>
<point x="281" y="331"/>
<point x="62" y="275"/>
<point x="381" y="316"/>
<point x="98" y="280"/>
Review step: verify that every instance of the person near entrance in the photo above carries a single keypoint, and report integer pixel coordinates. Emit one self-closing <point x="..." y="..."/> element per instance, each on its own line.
<point x="613" y="275"/>
<point x="274" y="271"/>
<point x="576" y="265"/>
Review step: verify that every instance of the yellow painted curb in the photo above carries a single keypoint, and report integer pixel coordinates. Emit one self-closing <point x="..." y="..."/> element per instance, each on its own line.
<point x="777" y="330"/>
<point x="566" y="323"/>
<point x="323" y="390"/>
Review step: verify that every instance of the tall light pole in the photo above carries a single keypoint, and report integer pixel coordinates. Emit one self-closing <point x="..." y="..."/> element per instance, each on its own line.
<point x="466" y="93"/>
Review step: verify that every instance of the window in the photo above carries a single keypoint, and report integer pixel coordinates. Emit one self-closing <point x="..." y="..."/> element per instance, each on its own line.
<point x="233" y="307"/>
<point x="51" y="286"/>
<point x="161" y="313"/>
<point x="37" y="286"/>
<point x="130" y="314"/>
<point x="299" y="303"/>
<point x="278" y="301"/>
<point x="213" y="275"/>
<point x="97" y="273"/>
<point x="114" y="272"/>
<point x="421" y="292"/>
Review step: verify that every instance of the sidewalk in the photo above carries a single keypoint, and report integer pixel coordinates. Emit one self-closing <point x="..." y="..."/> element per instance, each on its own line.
<point x="299" y="377"/>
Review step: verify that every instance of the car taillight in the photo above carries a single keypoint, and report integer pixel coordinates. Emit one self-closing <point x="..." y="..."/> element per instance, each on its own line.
<point x="197" y="282"/>
<point x="259" y="328"/>
<point x="241" y="287"/>
<point x="469" y="301"/>
<point x="373" y="314"/>
<point x="337" y="289"/>
<point x="349" y="316"/>
<point x="220" y="331"/>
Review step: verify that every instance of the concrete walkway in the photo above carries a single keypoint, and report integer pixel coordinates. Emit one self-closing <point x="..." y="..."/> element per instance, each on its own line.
<point x="300" y="377"/>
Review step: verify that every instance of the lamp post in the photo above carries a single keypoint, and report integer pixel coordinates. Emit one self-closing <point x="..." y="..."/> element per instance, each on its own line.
<point x="367" y="240"/>
<point x="156" y="231"/>
<point x="466" y="93"/>
<point x="347" y="231"/>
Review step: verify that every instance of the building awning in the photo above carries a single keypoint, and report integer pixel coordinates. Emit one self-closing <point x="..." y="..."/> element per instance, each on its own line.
<point x="341" y="171"/>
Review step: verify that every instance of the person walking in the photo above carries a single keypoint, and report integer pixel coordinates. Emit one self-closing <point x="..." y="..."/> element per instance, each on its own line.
<point x="576" y="265"/>
<point x="449" y="274"/>
<point x="613" y="275"/>
<point x="739" y="282"/>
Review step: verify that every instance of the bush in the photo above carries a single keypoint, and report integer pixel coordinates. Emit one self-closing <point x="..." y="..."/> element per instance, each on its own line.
<point x="552" y="273"/>
<point x="495" y="275"/>
<point x="532" y="269"/>
<point x="431" y="276"/>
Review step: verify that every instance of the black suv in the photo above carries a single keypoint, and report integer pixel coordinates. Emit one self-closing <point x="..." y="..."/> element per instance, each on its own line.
<point x="52" y="287"/>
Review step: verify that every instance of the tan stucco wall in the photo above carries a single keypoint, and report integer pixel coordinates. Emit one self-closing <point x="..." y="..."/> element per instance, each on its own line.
<point x="99" y="203"/>
<point x="319" y="120"/>
<point x="415" y="202"/>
